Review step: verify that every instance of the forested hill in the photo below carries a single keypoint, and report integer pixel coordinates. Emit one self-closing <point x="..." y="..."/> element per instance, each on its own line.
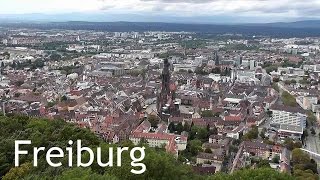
<point x="275" y="30"/>
<point x="51" y="133"/>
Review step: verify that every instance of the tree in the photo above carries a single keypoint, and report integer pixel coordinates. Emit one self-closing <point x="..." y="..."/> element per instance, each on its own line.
<point x="127" y="143"/>
<point x="198" y="133"/>
<point x="171" y="127"/>
<point x="303" y="166"/>
<point x="6" y="54"/>
<point x="275" y="87"/>
<point x="193" y="132"/>
<point x="179" y="128"/>
<point x="202" y="134"/>
<point x="312" y="165"/>
<point x="200" y="70"/>
<point x="276" y="159"/>
<point x="154" y="120"/>
<point x="301" y="174"/>
<point x="143" y="142"/>
<point x="236" y="142"/>
<point x="192" y="124"/>
<point x="304" y="81"/>
<point x="213" y="131"/>
<point x="216" y="70"/>
<point x="84" y="173"/>
<point x="63" y="98"/>
<point x="293" y="81"/>
<point x="208" y="127"/>
<point x="262" y="133"/>
<point x="195" y="147"/>
<point x="305" y="133"/>
<point x="252" y="134"/>
<point x="18" y="172"/>
<point x="263" y="163"/>
<point x="186" y="127"/>
<point x="312" y="119"/>
<point x="287" y="63"/>
<point x="207" y="113"/>
<point x="51" y="104"/>
<point x="299" y="157"/>
<point x="55" y="57"/>
<point x="269" y="113"/>
<point x="14" y="65"/>
<point x="313" y="132"/>
<point x="288" y="99"/>
<point x="260" y="173"/>
<point x="289" y="144"/>
<point x="48" y="133"/>
<point x="217" y="114"/>
<point x="233" y="149"/>
<point x="267" y="141"/>
<point x="208" y="150"/>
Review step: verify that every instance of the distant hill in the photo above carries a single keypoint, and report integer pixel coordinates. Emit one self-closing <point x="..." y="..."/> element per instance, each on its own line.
<point x="292" y="29"/>
<point x="297" y="24"/>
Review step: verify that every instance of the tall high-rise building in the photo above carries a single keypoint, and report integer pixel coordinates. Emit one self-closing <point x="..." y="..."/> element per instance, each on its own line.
<point x="166" y="104"/>
<point x="165" y="87"/>
<point x="252" y="64"/>
<point x="239" y="61"/>
<point x="216" y="58"/>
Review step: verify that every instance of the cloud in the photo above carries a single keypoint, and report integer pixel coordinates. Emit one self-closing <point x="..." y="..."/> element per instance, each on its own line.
<point x="181" y="1"/>
<point x="289" y="8"/>
<point x="194" y="1"/>
<point x="267" y="9"/>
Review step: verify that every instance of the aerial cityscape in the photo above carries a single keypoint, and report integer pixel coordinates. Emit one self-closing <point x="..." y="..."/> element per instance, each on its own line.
<point x="208" y="101"/>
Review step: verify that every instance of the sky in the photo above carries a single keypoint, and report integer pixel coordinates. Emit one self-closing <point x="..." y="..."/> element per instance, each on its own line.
<point x="194" y="10"/>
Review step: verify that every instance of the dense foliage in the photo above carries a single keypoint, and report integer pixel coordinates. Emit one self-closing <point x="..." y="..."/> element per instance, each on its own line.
<point x="50" y="133"/>
<point x="288" y="99"/>
<point x="303" y="166"/>
<point x="252" y="134"/>
<point x="259" y="174"/>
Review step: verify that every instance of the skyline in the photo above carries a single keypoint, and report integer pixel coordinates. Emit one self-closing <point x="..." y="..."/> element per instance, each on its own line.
<point x="201" y="11"/>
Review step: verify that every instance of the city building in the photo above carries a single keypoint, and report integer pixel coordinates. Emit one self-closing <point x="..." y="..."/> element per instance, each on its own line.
<point x="288" y="116"/>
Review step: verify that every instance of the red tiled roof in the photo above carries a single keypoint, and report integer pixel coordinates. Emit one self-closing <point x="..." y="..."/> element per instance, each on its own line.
<point x="233" y="118"/>
<point x="176" y="119"/>
<point x="199" y="122"/>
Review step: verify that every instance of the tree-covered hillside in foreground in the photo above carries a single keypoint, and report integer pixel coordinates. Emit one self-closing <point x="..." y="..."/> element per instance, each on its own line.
<point x="57" y="133"/>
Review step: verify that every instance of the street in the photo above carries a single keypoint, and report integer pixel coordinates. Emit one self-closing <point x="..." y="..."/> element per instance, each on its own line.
<point x="312" y="143"/>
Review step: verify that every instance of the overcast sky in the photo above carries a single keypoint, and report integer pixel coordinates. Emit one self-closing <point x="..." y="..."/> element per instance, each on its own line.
<point x="276" y="10"/>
